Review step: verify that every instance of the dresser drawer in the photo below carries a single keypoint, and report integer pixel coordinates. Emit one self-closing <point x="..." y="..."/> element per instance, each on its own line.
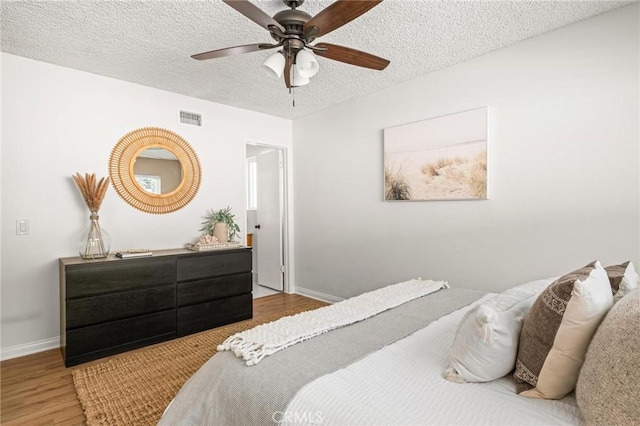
<point x="108" y="277"/>
<point x="108" y="335"/>
<point x="115" y="306"/>
<point x="210" y="265"/>
<point x="193" y="292"/>
<point x="204" y="316"/>
<point x="109" y="306"/>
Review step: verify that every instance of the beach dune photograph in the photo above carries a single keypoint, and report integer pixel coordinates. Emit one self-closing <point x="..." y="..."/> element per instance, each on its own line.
<point x="442" y="158"/>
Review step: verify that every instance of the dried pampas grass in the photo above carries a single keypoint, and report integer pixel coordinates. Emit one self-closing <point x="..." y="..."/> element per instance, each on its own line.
<point x="93" y="191"/>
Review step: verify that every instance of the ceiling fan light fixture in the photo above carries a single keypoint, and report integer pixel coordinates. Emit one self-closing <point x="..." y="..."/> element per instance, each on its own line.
<point x="274" y="65"/>
<point x="297" y="79"/>
<point x="307" y="63"/>
<point x="294" y="30"/>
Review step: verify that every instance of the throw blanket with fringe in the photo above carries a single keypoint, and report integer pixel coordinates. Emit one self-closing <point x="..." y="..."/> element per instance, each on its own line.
<point x="254" y="344"/>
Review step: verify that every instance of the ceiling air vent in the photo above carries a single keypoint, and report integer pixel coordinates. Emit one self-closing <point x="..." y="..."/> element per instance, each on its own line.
<point x="191" y="118"/>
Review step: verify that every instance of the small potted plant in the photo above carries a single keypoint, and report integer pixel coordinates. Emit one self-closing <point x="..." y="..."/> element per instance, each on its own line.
<point x="221" y="224"/>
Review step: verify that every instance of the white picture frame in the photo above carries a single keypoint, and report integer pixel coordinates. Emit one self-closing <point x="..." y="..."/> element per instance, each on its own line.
<point x="440" y="158"/>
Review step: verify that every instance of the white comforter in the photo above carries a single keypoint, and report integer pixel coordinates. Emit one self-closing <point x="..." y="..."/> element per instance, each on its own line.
<point x="402" y="384"/>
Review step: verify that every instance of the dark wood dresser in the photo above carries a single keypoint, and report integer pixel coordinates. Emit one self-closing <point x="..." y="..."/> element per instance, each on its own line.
<point x="113" y="305"/>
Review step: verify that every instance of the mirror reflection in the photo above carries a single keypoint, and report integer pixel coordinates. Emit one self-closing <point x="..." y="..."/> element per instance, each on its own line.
<point x="157" y="170"/>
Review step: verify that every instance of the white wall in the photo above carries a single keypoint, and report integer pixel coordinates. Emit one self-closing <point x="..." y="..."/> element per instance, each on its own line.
<point x="564" y="170"/>
<point x="58" y="121"/>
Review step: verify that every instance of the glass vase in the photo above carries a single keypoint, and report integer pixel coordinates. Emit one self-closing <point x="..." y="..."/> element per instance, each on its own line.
<point x="94" y="242"/>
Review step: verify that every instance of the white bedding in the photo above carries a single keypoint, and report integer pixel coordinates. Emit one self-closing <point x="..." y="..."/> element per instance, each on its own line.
<point x="402" y="384"/>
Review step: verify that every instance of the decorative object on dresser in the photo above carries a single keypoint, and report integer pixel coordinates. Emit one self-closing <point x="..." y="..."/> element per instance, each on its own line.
<point x="202" y="246"/>
<point x="94" y="243"/>
<point x="221" y="224"/>
<point x="108" y="306"/>
<point x="133" y="253"/>
<point x="154" y="170"/>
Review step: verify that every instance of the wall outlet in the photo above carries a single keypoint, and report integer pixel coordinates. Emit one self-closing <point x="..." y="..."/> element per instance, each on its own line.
<point x="22" y="227"/>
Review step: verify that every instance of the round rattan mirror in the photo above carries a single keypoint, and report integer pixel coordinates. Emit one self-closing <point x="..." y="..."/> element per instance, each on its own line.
<point x="154" y="170"/>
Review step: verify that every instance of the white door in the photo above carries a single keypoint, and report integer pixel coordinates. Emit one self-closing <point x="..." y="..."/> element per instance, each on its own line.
<point x="269" y="218"/>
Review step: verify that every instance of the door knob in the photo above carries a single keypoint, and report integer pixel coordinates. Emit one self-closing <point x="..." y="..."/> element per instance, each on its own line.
<point x="257" y="226"/>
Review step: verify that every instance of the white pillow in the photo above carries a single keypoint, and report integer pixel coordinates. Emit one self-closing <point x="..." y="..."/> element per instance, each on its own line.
<point x="486" y="342"/>
<point x="623" y="279"/>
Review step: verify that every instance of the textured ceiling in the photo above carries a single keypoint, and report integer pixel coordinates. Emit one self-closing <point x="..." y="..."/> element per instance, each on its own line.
<point x="150" y="43"/>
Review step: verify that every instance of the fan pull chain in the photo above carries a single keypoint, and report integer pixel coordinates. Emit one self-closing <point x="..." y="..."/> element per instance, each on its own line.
<point x="292" y="92"/>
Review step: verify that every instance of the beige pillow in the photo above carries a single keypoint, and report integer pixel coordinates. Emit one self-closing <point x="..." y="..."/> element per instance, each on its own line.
<point x="557" y="331"/>
<point x="623" y="279"/>
<point x="608" y="390"/>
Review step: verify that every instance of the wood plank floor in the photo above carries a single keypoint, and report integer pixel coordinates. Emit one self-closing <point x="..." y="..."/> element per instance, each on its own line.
<point x="38" y="390"/>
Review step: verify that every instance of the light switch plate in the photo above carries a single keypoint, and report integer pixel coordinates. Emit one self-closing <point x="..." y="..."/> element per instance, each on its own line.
<point x="22" y="227"/>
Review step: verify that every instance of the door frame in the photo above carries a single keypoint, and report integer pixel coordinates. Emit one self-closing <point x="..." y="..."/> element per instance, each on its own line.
<point x="287" y="206"/>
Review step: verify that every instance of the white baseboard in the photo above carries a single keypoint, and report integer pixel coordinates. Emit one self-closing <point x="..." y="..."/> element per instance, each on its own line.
<point x="317" y="295"/>
<point x="29" y="348"/>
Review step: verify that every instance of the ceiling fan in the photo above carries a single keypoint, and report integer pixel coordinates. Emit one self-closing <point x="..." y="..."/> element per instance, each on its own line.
<point x="294" y="31"/>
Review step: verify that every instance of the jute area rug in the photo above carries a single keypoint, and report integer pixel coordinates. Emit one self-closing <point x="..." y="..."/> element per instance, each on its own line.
<point x="135" y="388"/>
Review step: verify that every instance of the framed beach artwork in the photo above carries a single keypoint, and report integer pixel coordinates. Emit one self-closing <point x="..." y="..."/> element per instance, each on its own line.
<point x="441" y="158"/>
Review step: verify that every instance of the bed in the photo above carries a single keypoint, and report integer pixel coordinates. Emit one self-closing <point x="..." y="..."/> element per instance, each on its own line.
<point x="390" y="368"/>
<point x="330" y="379"/>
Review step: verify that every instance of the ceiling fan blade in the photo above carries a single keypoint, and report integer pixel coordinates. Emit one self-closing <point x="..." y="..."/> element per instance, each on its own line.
<point x="350" y="56"/>
<point x="236" y="50"/>
<point x="254" y="13"/>
<point x="339" y="13"/>
<point x="287" y="72"/>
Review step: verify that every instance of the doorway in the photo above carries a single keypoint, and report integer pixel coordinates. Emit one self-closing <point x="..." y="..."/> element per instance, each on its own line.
<point x="266" y="217"/>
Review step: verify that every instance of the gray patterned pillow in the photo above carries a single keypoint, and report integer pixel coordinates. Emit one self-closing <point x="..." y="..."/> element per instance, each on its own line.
<point x="615" y="274"/>
<point x="557" y="331"/>
<point x="608" y="390"/>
